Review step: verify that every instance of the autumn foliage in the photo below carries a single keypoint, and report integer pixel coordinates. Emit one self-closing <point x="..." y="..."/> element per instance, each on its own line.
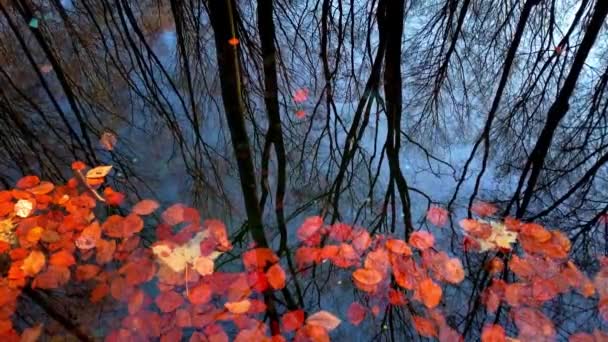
<point x="52" y="236"/>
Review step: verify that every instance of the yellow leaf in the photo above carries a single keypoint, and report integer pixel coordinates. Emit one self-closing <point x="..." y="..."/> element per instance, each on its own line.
<point x="33" y="263"/>
<point x="99" y="172"/>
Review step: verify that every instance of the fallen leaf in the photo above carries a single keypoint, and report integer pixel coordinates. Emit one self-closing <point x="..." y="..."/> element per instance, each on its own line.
<point x="276" y="277"/>
<point x="430" y="293"/>
<point x="292" y="320"/>
<point x="34" y="263"/>
<point x="324" y="319"/>
<point x="239" y="307"/>
<point x="437" y="216"/>
<point x="99" y="171"/>
<point x="169" y="301"/>
<point x="145" y="207"/>
<point x="108" y="140"/>
<point x="356" y="313"/>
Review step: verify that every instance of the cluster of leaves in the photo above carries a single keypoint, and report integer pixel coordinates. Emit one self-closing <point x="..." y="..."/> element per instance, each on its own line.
<point x="172" y="289"/>
<point x="391" y="271"/>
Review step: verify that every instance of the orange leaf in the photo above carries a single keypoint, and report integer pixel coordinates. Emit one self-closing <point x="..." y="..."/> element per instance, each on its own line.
<point x="424" y="326"/>
<point x="324" y="319"/>
<point x="398" y="247"/>
<point x="238" y="307"/>
<point x="78" y="165"/>
<point x="437" y="216"/>
<point x="28" y="182"/>
<point x="276" y="277"/>
<point x="86" y="272"/>
<point x="169" y="301"/>
<point x="42" y="189"/>
<point x="367" y="279"/>
<point x="430" y="293"/>
<point x="62" y="258"/>
<point x="145" y="207"/>
<point x="233" y="41"/>
<point x="292" y="320"/>
<point x="356" y="313"/>
<point x="33" y="263"/>
<point x="493" y="333"/>
<point x="99" y="292"/>
<point x="452" y="271"/>
<point x="422" y="240"/>
<point x="396" y="297"/>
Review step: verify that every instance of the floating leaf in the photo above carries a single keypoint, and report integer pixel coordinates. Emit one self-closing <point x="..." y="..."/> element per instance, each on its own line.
<point x="34" y="263"/>
<point x="200" y="294"/>
<point x="145" y="207"/>
<point x="324" y="319"/>
<point x="28" y="182"/>
<point x="233" y="41"/>
<point x="99" y="171"/>
<point x="356" y="313"/>
<point x="276" y="276"/>
<point x="422" y="240"/>
<point x="430" y="293"/>
<point x="203" y="265"/>
<point x="239" y="307"/>
<point x="78" y="165"/>
<point x="169" y="301"/>
<point x="62" y="258"/>
<point x="437" y="216"/>
<point x="493" y="333"/>
<point x="483" y="209"/>
<point x="174" y="214"/>
<point x="42" y="189"/>
<point x="23" y="208"/>
<point x="108" y="140"/>
<point x="310" y="226"/>
<point x="424" y="326"/>
<point x="292" y="320"/>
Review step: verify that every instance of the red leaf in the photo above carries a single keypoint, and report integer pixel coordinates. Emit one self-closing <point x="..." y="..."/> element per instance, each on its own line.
<point x="169" y="301"/>
<point x="324" y="319"/>
<point x="356" y="313"/>
<point x="293" y="320"/>
<point x="62" y="258"/>
<point x="310" y="226"/>
<point x="28" y="182"/>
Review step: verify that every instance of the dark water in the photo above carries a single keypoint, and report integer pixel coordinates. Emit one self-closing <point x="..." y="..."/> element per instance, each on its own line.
<point x="373" y="126"/>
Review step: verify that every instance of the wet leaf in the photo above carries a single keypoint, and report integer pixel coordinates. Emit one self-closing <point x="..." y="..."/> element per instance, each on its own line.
<point x="422" y="240"/>
<point x="430" y="293"/>
<point x="62" y="258"/>
<point x="276" y="277"/>
<point x="309" y="227"/>
<point x="324" y="319"/>
<point x="28" y="182"/>
<point x="145" y="207"/>
<point x="108" y="140"/>
<point x="356" y="313"/>
<point x="34" y="263"/>
<point x="99" y="171"/>
<point x="23" y="208"/>
<point x="239" y="307"/>
<point x="292" y="320"/>
<point x="493" y="333"/>
<point x="203" y="265"/>
<point x="424" y="326"/>
<point x="484" y="209"/>
<point x="437" y="216"/>
<point x="169" y="301"/>
<point x="42" y="189"/>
